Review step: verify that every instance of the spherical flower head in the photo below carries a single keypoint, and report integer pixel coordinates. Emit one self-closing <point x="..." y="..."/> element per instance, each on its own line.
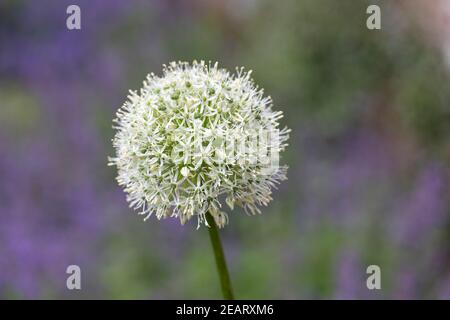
<point x="196" y="138"/>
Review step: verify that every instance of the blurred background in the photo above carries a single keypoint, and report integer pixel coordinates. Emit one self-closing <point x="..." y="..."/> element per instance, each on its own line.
<point x="369" y="152"/>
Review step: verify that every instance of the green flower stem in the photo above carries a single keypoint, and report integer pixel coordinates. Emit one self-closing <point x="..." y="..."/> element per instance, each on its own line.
<point x="222" y="269"/>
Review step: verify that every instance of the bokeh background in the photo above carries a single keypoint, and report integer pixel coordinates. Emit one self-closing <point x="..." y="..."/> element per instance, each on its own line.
<point x="369" y="153"/>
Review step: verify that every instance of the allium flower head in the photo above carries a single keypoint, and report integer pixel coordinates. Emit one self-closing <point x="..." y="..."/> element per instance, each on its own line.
<point x="196" y="138"/>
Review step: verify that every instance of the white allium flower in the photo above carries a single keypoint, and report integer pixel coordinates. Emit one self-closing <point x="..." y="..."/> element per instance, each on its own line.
<point x="196" y="138"/>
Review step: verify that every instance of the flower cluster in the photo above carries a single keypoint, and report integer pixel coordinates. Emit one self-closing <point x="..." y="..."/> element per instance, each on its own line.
<point x="195" y="138"/>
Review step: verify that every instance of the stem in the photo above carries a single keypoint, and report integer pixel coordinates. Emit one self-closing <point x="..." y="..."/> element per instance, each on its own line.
<point x="222" y="269"/>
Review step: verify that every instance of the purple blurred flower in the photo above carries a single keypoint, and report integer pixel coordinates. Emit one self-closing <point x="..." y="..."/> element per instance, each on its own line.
<point x="422" y="212"/>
